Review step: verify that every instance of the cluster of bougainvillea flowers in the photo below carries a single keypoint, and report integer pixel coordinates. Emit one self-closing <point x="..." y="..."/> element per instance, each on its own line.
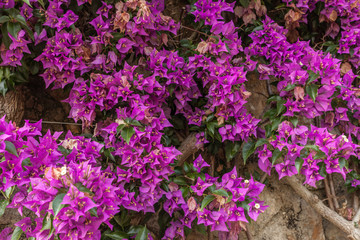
<point x="310" y="152"/>
<point x="223" y="214"/>
<point x="128" y="76"/>
<point x="70" y="191"/>
<point x="348" y="26"/>
<point x="17" y="48"/>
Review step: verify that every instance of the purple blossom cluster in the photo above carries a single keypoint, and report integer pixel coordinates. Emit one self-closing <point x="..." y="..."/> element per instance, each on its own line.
<point x="122" y="65"/>
<point x="312" y="152"/>
<point x="309" y="79"/>
<point x="225" y="77"/>
<point x="17" y="48"/>
<point x="7" y="4"/>
<point x="293" y="64"/>
<point x="223" y="214"/>
<point x="348" y="12"/>
<point x="65" y="187"/>
<point x="88" y="199"/>
<point x="210" y="11"/>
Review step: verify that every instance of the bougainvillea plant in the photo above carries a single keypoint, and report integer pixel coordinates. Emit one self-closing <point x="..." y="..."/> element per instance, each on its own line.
<point x="144" y="83"/>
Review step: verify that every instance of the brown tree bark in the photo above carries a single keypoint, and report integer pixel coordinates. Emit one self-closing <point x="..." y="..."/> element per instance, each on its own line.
<point x="13" y="105"/>
<point x="324" y="211"/>
<point x="187" y="148"/>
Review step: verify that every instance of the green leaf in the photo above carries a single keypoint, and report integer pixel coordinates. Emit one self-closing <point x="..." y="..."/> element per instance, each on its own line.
<point x="275" y="123"/>
<point x="117" y="235"/>
<point x="180" y="180"/>
<point x="120" y="127"/>
<point x="20" y="19"/>
<point x="221" y="192"/>
<point x="56" y="204"/>
<point x="187" y="167"/>
<point x="244" y="3"/>
<point x="4" y="19"/>
<point x="142" y="234"/>
<point x="127" y="133"/>
<point x="3" y="204"/>
<point x="3" y="88"/>
<point x="258" y="28"/>
<point x="320" y="155"/>
<point x="342" y="163"/>
<point x="312" y="91"/>
<point x="268" y="130"/>
<point x="82" y="188"/>
<point x="5" y="37"/>
<point x="298" y="164"/>
<point x="248" y="149"/>
<point x="16" y="234"/>
<point x="231" y="149"/>
<point x="93" y="212"/>
<point x="27" y="2"/>
<point x="260" y="142"/>
<point x="276" y="155"/>
<point x="185" y="43"/>
<point x="322" y="170"/>
<point x="13" y="28"/>
<point x="274" y="98"/>
<point x="23" y="23"/>
<point x="208" y="199"/>
<point x="289" y="87"/>
<point x="25" y="162"/>
<point x="280" y="107"/>
<point x="313" y="76"/>
<point x="312" y="147"/>
<point x="185" y="191"/>
<point x="271" y="113"/>
<point x="211" y="127"/>
<point x="9" y="192"/>
<point x="41" y="3"/>
<point x="135" y="123"/>
<point x="46" y="223"/>
<point x="10" y="147"/>
<point x="294" y="121"/>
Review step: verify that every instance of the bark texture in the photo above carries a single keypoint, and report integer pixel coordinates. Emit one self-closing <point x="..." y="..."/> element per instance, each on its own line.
<point x="324" y="211"/>
<point x="13" y="105"/>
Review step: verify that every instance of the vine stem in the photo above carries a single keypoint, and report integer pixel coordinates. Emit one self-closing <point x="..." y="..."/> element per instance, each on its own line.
<point x="52" y="122"/>
<point x="187" y="148"/>
<point x="332" y="189"/>
<point x="328" y="194"/>
<point x="313" y="200"/>
<point x="194" y="30"/>
<point x="356" y="202"/>
<point x="356" y="218"/>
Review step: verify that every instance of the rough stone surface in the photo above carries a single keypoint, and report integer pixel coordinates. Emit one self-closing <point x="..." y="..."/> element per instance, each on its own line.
<point x="288" y="216"/>
<point x="257" y="101"/>
<point x="332" y="232"/>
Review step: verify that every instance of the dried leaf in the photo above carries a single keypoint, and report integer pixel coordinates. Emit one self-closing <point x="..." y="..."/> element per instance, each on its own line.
<point x="191" y="202"/>
<point x="239" y="11"/>
<point x="202" y="47"/>
<point x="248" y="17"/>
<point x="333" y="16"/>
<point x="293" y="16"/>
<point x="164" y="38"/>
<point x="299" y="93"/>
<point x="262" y="11"/>
<point x="173" y="187"/>
<point x="345" y="67"/>
<point x="292" y="35"/>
